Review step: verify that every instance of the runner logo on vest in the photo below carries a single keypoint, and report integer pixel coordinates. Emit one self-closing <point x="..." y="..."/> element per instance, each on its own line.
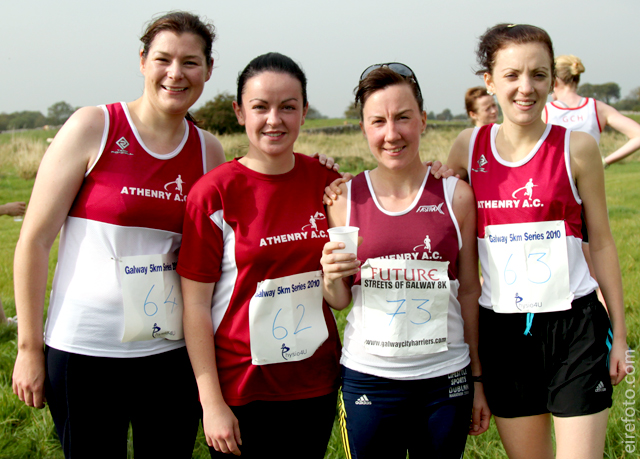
<point x="528" y="190"/>
<point x="527" y="200"/>
<point x="123" y="144"/>
<point x="312" y="226"/>
<point x="424" y="247"/>
<point x="431" y="208"/>
<point x="178" y="183"/>
<point x="481" y="163"/>
<point x="159" y="194"/>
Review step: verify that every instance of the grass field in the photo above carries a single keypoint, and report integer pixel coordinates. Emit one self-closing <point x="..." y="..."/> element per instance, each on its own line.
<point x="28" y="433"/>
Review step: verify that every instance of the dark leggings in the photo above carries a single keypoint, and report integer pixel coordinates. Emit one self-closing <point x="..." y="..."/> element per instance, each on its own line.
<point x="285" y="430"/>
<point x="385" y="418"/>
<point x="93" y="400"/>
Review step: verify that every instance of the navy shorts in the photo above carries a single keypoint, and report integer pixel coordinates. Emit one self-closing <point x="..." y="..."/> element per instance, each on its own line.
<point x="561" y="367"/>
<point x="385" y="418"/>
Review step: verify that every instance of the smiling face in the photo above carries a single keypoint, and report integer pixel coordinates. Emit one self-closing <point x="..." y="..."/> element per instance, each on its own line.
<point x="486" y="111"/>
<point x="272" y="112"/>
<point x="175" y="71"/>
<point x="392" y="123"/>
<point x="521" y="79"/>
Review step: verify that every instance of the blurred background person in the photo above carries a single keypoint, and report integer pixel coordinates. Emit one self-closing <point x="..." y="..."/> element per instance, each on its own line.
<point x="571" y="110"/>
<point x="481" y="106"/>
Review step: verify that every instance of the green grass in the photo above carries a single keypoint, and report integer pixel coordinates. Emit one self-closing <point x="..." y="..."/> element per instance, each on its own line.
<point x="635" y="118"/>
<point x="29" y="433"/>
<point x="37" y="134"/>
<point x="327" y="122"/>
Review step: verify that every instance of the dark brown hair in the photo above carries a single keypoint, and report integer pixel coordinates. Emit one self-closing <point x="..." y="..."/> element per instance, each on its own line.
<point x="502" y="35"/>
<point x="382" y="78"/>
<point x="272" y="62"/>
<point x="472" y="95"/>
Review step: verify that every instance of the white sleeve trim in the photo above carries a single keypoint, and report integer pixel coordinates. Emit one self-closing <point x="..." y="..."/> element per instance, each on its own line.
<point x="348" y="220"/>
<point x="218" y="218"/>
<point x="567" y="161"/>
<point x="203" y="146"/>
<point x="103" y="142"/>
<point x="449" y="184"/>
<point x="472" y="143"/>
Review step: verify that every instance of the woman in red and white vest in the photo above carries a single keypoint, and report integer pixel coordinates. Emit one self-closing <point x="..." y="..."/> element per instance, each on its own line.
<point x="409" y="363"/>
<point x="546" y="344"/>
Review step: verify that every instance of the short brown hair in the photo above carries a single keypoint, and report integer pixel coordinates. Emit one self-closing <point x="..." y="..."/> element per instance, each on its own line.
<point x="472" y="95"/>
<point x="382" y="78"/>
<point x="181" y="22"/>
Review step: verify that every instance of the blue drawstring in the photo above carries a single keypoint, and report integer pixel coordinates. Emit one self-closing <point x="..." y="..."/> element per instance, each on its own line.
<point x="527" y="330"/>
<point x="609" y="344"/>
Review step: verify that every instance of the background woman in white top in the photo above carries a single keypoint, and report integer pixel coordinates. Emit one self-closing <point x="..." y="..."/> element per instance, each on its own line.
<point x="563" y="110"/>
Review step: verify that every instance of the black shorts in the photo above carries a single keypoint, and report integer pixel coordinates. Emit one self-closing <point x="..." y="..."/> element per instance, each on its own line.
<point x="561" y="367"/>
<point x="94" y="399"/>
<point x="289" y="429"/>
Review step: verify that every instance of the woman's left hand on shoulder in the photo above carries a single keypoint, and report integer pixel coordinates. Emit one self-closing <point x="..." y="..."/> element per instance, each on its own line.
<point x="327" y="161"/>
<point x="439" y="170"/>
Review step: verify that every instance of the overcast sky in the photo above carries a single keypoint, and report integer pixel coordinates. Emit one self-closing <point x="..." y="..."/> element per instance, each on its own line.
<point x="86" y="52"/>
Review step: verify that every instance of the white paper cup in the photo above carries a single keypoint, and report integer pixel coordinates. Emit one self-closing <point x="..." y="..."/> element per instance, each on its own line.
<point x="346" y="234"/>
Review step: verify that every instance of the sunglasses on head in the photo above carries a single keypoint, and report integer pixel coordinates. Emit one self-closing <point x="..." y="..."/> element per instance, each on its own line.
<point x="397" y="67"/>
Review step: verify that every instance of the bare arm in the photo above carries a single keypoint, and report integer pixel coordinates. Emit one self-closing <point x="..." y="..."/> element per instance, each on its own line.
<point x="59" y="178"/>
<point x="13" y="209"/>
<point x="458" y="159"/>
<point x="589" y="177"/>
<point x="215" y="153"/>
<point x="612" y="117"/>
<point x="338" y="267"/>
<point x="464" y="209"/>
<point x="220" y="425"/>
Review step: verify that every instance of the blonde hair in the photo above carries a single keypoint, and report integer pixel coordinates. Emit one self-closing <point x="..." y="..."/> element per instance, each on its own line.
<point x="569" y="68"/>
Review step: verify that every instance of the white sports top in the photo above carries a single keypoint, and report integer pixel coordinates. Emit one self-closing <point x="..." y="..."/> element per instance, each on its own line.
<point x="583" y="118"/>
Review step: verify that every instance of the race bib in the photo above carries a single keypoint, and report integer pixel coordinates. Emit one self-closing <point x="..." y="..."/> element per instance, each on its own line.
<point x="286" y="321"/>
<point x="529" y="267"/>
<point x="152" y="297"/>
<point x="405" y="306"/>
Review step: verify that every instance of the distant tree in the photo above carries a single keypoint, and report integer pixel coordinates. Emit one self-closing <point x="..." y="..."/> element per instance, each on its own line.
<point x="25" y="120"/>
<point x="587" y="90"/>
<point x="217" y="115"/>
<point x="607" y="92"/>
<point x="631" y="102"/>
<point x="4" y="119"/>
<point x="314" y="114"/>
<point x="352" y="112"/>
<point x="59" y="112"/>
<point x="431" y="115"/>
<point x="445" y="115"/>
<point x="461" y="116"/>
